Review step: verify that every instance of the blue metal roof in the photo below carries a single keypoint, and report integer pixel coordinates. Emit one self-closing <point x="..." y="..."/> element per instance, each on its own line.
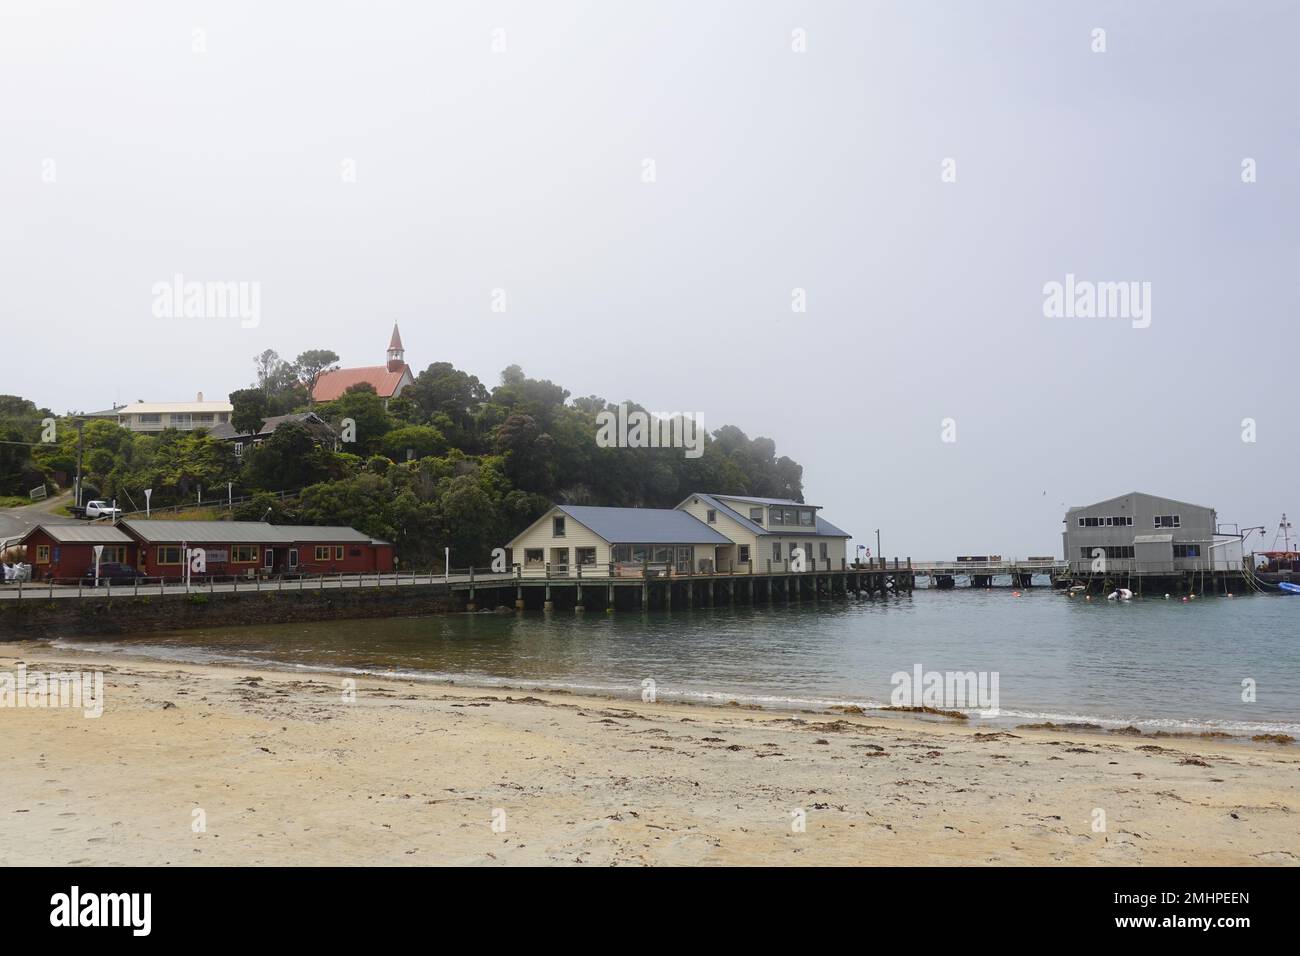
<point x="644" y="525"/>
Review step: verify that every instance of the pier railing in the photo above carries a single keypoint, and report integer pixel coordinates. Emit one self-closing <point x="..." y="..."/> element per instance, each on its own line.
<point x="458" y="578"/>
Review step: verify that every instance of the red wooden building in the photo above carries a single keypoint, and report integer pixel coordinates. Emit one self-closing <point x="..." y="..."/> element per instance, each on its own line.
<point x="251" y="548"/>
<point x="66" y="551"/>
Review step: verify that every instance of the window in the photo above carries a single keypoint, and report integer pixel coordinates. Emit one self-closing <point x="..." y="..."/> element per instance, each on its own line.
<point x="338" y="552"/>
<point x="243" y="554"/>
<point x="806" y="517"/>
<point x="756" y="515"/>
<point x="322" y="552"/>
<point x="42" y="554"/>
<point x="155" y="419"/>
<point x="1111" y="551"/>
<point x="113" y="554"/>
<point x="712" y="516"/>
<point x="1106" y="521"/>
<point x="585" y="555"/>
<point x="169" y="554"/>
<point x="744" y="552"/>
<point x="1168" y="521"/>
<point x="790" y="516"/>
<point x="775" y="516"/>
<point x="557" y="526"/>
<point x="1187" y="551"/>
<point x="534" y="556"/>
<point x="621" y="552"/>
<point x="823" y="551"/>
<point x="776" y="550"/>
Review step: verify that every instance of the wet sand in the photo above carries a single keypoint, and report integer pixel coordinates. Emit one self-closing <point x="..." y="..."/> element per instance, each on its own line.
<point x="280" y="769"/>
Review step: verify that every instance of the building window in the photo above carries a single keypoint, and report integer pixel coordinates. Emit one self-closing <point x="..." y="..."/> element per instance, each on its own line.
<point x="338" y="552"/>
<point x="557" y="527"/>
<point x="1187" y="551"/>
<point x="712" y="516"/>
<point x="585" y="555"/>
<point x="534" y="556"/>
<point x="149" y="419"/>
<point x="806" y="517"/>
<point x="774" y="516"/>
<point x="243" y="554"/>
<point x="113" y="554"/>
<point x="239" y="449"/>
<point x="823" y="550"/>
<point x="1168" y="521"/>
<point x="322" y="552"/>
<point x="621" y="552"/>
<point x="756" y="515"/>
<point x="169" y="554"/>
<point x="776" y="550"/>
<point x="1111" y="551"/>
<point x="744" y="553"/>
<point x="42" y="554"/>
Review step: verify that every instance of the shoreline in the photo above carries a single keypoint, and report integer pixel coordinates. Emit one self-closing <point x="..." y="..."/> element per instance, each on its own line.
<point x="1151" y="727"/>
<point x="284" y="770"/>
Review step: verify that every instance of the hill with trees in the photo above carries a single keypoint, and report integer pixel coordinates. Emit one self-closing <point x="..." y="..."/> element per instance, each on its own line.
<point x="449" y="463"/>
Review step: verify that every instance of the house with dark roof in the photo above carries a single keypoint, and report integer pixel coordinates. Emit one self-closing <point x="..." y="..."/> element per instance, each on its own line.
<point x="388" y="379"/>
<point x="703" y="534"/>
<point x="321" y="431"/>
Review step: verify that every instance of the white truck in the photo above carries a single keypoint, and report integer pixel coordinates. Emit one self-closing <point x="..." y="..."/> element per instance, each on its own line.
<point x="97" y="509"/>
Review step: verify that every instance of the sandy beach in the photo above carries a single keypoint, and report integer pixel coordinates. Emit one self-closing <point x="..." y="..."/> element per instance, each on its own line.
<point x="209" y="765"/>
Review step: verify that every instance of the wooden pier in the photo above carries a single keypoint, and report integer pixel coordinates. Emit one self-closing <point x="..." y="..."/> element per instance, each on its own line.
<point x="660" y="587"/>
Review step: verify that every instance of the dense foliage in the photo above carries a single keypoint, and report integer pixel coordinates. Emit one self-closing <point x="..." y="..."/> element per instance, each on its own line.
<point x="448" y="464"/>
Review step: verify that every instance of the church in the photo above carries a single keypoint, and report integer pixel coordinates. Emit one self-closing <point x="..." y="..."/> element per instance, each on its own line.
<point x="388" y="380"/>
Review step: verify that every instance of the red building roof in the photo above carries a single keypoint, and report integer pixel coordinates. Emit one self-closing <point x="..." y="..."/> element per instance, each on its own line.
<point x="332" y="385"/>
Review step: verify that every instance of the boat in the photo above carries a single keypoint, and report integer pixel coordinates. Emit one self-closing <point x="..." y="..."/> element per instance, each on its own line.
<point x="1288" y="587"/>
<point x="1276" y="568"/>
<point x="1120" y="594"/>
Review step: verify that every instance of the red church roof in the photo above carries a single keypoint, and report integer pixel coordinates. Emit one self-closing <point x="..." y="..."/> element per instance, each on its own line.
<point x="332" y="385"/>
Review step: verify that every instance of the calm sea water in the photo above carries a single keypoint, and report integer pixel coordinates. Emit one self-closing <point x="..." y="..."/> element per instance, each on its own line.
<point x="1153" y="663"/>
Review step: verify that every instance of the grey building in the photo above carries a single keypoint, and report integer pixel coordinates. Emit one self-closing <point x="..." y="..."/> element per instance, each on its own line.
<point x="1142" y="534"/>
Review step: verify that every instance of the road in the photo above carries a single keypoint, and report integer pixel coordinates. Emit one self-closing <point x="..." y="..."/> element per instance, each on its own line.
<point x="16" y="522"/>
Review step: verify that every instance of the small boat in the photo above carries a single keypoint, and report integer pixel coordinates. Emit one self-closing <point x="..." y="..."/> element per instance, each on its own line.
<point x="1120" y="594"/>
<point x="1288" y="587"/>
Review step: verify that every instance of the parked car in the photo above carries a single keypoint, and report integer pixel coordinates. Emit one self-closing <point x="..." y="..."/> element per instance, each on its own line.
<point x="111" y="571"/>
<point x="96" y="509"/>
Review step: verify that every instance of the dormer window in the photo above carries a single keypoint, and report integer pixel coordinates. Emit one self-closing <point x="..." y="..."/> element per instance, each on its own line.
<point x="756" y="515"/>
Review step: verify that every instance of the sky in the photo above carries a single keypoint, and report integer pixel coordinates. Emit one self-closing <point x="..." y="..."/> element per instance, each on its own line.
<point x="920" y="170"/>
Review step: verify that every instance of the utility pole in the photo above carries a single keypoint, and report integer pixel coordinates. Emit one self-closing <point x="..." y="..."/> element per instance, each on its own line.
<point x="880" y="554"/>
<point x="81" y="425"/>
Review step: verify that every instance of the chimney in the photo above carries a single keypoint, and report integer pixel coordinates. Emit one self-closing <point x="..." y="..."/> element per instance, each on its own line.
<point x="199" y="397"/>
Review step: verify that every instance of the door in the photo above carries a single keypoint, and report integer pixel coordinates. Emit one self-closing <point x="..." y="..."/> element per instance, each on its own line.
<point x="293" y="559"/>
<point x="683" y="562"/>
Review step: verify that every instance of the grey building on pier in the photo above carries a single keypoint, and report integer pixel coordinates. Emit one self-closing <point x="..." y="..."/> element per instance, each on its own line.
<point x="1145" y="534"/>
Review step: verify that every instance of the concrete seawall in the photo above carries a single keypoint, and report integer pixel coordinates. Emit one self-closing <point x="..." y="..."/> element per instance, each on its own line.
<point x="112" y="616"/>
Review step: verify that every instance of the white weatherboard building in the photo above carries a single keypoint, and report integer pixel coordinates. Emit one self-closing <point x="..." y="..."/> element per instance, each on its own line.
<point x="183" y="416"/>
<point x="704" y="534"/>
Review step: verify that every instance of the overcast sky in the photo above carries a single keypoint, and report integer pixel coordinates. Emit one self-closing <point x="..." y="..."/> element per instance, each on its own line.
<point x="133" y="148"/>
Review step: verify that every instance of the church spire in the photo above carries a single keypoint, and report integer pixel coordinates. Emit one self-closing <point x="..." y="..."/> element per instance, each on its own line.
<point x="396" y="354"/>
